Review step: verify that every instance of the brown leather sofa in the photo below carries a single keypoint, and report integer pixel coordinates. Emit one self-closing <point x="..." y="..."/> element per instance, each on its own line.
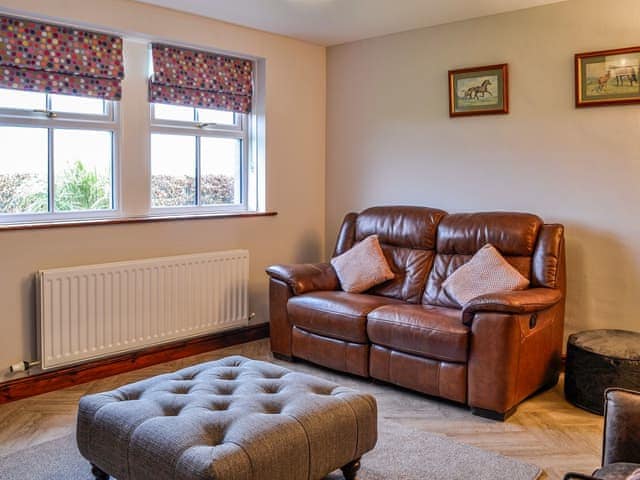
<point x="621" y="443"/>
<point x="491" y="354"/>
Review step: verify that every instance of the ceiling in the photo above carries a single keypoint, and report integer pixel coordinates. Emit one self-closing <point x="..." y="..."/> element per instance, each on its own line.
<point x="331" y="22"/>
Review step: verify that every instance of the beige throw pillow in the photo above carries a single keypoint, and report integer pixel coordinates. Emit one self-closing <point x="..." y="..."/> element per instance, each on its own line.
<point x="486" y="272"/>
<point x="362" y="266"/>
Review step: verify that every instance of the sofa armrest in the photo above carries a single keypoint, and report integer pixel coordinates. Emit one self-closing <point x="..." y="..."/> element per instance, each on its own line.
<point x="511" y="356"/>
<point x="517" y="302"/>
<point x="306" y="277"/>
<point x="621" y="427"/>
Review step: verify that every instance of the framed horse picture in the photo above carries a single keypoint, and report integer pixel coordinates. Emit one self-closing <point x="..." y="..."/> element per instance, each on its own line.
<point x="608" y="77"/>
<point x="479" y="91"/>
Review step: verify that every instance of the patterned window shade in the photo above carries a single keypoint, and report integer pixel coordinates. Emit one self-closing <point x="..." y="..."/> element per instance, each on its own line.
<point x="57" y="59"/>
<point x="199" y="79"/>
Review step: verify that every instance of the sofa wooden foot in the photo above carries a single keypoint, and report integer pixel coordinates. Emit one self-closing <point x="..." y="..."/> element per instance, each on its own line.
<point x="283" y="357"/>
<point x="351" y="469"/>
<point x="99" y="474"/>
<point x="492" y="415"/>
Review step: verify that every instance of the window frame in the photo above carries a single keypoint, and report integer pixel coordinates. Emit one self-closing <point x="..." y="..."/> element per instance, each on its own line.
<point x="240" y="130"/>
<point x="54" y="120"/>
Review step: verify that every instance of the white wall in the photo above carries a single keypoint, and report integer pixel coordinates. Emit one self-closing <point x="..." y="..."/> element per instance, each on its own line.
<point x="294" y="88"/>
<point x="390" y="140"/>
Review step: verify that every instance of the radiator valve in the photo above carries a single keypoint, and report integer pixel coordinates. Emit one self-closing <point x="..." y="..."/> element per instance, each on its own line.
<point x="23" y="366"/>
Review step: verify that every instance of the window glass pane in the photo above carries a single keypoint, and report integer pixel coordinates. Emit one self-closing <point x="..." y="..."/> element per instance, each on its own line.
<point x="69" y="104"/>
<point x="83" y="165"/>
<point x="220" y="165"/>
<point x="215" y="116"/>
<point x="23" y="170"/>
<point x="173" y="170"/>
<point x="18" y="99"/>
<point x="173" y="112"/>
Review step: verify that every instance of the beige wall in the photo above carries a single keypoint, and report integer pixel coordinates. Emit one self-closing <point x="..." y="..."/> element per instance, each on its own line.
<point x="295" y="155"/>
<point x="390" y="140"/>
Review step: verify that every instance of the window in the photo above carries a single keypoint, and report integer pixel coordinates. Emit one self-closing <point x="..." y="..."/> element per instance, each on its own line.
<point x="199" y="150"/>
<point x="198" y="159"/>
<point x="58" y="156"/>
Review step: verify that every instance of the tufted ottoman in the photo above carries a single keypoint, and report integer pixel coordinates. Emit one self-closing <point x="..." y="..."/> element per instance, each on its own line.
<point x="230" y="419"/>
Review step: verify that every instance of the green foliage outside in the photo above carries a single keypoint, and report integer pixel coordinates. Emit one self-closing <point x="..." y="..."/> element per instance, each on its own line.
<point x="81" y="189"/>
<point x="76" y="189"/>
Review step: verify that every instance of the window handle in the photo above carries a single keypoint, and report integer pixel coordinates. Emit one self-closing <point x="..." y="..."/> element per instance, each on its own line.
<point x="48" y="113"/>
<point x="205" y="125"/>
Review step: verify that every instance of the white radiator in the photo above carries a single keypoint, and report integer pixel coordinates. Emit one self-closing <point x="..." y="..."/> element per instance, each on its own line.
<point x="97" y="310"/>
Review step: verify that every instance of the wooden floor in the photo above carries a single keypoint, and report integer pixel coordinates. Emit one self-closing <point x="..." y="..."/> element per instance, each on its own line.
<point x="546" y="430"/>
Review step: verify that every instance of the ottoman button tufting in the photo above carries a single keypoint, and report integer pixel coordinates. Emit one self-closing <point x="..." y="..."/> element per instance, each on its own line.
<point x="171" y="411"/>
<point x="322" y="391"/>
<point x="232" y="375"/>
<point x="217" y="406"/>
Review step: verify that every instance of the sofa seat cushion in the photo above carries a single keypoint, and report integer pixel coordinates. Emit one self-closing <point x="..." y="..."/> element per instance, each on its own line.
<point x="423" y="330"/>
<point x="338" y="315"/>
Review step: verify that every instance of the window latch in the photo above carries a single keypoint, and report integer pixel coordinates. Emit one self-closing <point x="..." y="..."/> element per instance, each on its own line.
<point x="205" y="125"/>
<point x="48" y="113"/>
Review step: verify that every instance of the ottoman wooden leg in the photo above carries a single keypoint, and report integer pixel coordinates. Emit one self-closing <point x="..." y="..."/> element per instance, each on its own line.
<point x="99" y="474"/>
<point x="350" y="469"/>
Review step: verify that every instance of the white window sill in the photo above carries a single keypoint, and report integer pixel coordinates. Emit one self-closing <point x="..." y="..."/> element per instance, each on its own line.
<point x="122" y="220"/>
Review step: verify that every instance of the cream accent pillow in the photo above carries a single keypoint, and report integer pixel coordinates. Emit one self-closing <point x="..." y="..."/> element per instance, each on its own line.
<point x="362" y="266"/>
<point x="486" y="272"/>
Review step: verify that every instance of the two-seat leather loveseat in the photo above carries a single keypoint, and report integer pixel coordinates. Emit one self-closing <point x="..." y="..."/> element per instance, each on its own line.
<point x="490" y="353"/>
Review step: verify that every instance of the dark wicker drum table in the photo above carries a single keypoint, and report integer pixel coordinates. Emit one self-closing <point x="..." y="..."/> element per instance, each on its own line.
<point x="597" y="360"/>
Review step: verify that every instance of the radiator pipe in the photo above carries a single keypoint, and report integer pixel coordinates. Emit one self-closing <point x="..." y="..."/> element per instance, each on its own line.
<point x="23" y="366"/>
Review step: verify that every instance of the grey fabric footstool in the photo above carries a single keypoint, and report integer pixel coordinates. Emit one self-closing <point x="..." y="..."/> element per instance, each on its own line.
<point x="231" y="419"/>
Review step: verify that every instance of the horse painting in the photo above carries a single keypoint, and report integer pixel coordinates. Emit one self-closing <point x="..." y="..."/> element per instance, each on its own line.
<point x="622" y="73"/>
<point x="473" y="93"/>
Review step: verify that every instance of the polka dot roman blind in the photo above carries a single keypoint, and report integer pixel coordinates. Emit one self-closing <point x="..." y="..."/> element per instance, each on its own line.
<point x="200" y="79"/>
<point x="50" y="58"/>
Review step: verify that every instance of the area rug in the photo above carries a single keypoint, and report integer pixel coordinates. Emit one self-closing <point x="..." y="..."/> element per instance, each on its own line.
<point x="401" y="454"/>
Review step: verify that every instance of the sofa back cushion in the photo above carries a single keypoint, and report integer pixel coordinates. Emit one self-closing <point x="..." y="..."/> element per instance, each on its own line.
<point x="461" y="235"/>
<point x="407" y="236"/>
